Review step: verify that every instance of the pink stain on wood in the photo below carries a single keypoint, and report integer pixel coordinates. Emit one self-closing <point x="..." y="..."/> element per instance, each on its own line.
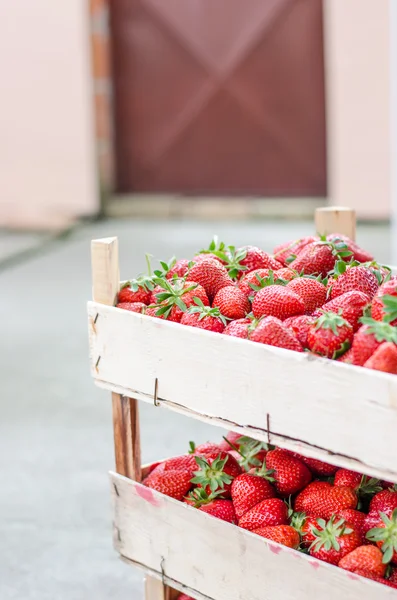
<point x="274" y="549"/>
<point x="314" y="563"/>
<point x="147" y="494"/>
<point x="353" y="576"/>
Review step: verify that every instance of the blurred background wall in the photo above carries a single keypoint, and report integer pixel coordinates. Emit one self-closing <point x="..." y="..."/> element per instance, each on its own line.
<point x="287" y="102"/>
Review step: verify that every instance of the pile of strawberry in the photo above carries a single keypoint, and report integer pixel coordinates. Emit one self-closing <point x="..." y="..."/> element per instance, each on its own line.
<point x="338" y="516"/>
<point x="326" y="296"/>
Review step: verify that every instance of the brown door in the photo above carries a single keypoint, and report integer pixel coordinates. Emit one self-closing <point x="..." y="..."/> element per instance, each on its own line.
<point x="219" y="96"/>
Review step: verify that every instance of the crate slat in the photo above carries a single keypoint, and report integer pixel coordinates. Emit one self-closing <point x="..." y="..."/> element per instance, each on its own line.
<point x="214" y="559"/>
<point x="346" y="415"/>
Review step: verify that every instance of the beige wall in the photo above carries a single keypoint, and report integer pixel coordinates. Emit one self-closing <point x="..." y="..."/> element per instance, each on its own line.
<point x="47" y="154"/>
<point x="358" y="106"/>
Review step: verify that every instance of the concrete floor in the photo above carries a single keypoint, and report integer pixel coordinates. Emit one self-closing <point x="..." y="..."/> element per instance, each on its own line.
<point x="55" y="426"/>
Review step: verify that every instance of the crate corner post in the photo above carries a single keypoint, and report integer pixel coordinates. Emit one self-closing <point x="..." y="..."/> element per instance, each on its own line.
<point x="127" y="446"/>
<point x="336" y="219"/>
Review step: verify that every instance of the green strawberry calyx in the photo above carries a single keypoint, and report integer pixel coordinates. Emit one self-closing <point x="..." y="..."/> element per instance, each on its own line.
<point x="172" y="295"/>
<point x="390" y="307"/>
<point x="229" y="256"/>
<point x="248" y="450"/>
<point x="211" y="475"/>
<point x="327" y="536"/>
<point x="381" y="330"/>
<point x="266" y="281"/>
<point x="206" y="311"/>
<point x="199" y="497"/>
<point x="386" y="534"/>
<point x="297" y="520"/>
<point x="264" y="472"/>
<point x="330" y="320"/>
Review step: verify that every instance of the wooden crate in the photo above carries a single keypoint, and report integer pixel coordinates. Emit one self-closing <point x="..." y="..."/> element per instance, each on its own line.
<point x="338" y="413"/>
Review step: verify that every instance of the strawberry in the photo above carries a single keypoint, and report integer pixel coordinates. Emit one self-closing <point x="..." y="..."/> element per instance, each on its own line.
<point x="282" y="534"/>
<point x="216" y="472"/>
<point x="305" y="524"/>
<point x="290" y="474"/>
<point x="251" y="280"/>
<point x="384" y="359"/>
<point x="204" y="317"/>
<point x="136" y="290"/>
<point x="137" y="307"/>
<point x="250" y="455"/>
<point x="350" y="305"/>
<point x="176" y="269"/>
<point x="232" y="302"/>
<point x="205" y="255"/>
<point x="272" y="511"/>
<point x="184" y="597"/>
<point x="287" y="252"/>
<point x="330" y="335"/>
<point x="384" y="303"/>
<point x="175" y="297"/>
<point x="255" y="258"/>
<point x="285" y="273"/>
<point x="211" y="274"/>
<point x="317" y="467"/>
<point x="317" y="258"/>
<point x="325" y="500"/>
<point x="393" y="576"/>
<point x="312" y="292"/>
<point x="185" y="462"/>
<point x="203" y="449"/>
<point x="354" y="279"/>
<point x="248" y="490"/>
<point x="368" y="339"/>
<point x="300" y="325"/>
<point x="358" y="253"/>
<point x="277" y="301"/>
<point x="212" y="505"/>
<point x="357" y="481"/>
<point x="232" y="438"/>
<point x="356" y="518"/>
<point x="174" y="483"/>
<point x="333" y="540"/>
<point x="364" y="559"/>
<point x="385" y="536"/>
<point x="238" y="328"/>
<point x="272" y="332"/>
<point x="385" y="501"/>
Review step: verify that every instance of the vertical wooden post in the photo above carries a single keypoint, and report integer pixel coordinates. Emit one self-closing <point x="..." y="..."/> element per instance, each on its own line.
<point x="336" y="219"/>
<point x="127" y="444"/>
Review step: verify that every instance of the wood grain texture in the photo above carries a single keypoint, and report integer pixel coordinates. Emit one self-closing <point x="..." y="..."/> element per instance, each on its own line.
<point x="105" y="270"/>
<point x="339" y="413"/>
<point x="217" y="560"/>
<point x="127" y="443"/>
<point x="336" y="219"/>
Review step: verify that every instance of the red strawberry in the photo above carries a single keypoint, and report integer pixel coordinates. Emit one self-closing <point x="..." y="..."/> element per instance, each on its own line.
<point x="364" y="558"/>
<point x="356" y="518"/>
<point x="175" y="297"/>
<point x="359" y="254"/>
<point x="272" y="332"/>
<point x="184" y="597"/>
<point x="385" y="501"/>
<point x="272" y="511"/>
<point x="216" y="472"/>
<point x="186" y="462"/>
<point x="277" y="301"/>
<point x="361" y="484"/>
<point x="312" y="292"/>
<point x="238" y="328"/>
<point x="233" y="438"/>
<point x="205" y="256"/>
<point x="288" y="251"/>
<point x="317" y="467"/>
<point x="385" y="536"/>
<point x="211" y="274"/>
<point x="286" y="273"/>
<point x="177" y="269"/>
<point x="333" y="540"/>
<point x="384" y="304"/>
<point x="212" y="505"/>
<point x="304" y="524"/>
<point x="136" y="290"/>
<point x="203" y="449"/>
<point x="317" y="258"/>
<point x="300" y="326"/>
<point x="248" y="490"/>
<point x="354" y="279"/>
<point x="326" y="500"/>
<point x="137" y="307"/>
<point x="393" y="576"/>
<point x="350" y="305"/>
<point x="290" y="473"/>
<point x="282" y="534"/>
<point x="255" y="258"/>
<point x="174" y="483"/>
<point x="384" y="359"/>
<point x="253" y="278"/>
<point x="232" y="302"/>
<point x="204" y="317"/>
<point x="368" y="339"/>
<point x="330" y="335"/>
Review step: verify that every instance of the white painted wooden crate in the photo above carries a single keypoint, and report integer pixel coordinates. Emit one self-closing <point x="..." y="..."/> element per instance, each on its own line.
<point x="335" y="412"/>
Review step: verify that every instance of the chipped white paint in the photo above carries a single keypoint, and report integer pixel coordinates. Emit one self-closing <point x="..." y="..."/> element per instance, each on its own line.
<point x="211" y="559"/>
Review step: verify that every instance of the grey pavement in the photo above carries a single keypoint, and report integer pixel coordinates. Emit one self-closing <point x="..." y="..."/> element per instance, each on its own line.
<point x="55" y="425"/>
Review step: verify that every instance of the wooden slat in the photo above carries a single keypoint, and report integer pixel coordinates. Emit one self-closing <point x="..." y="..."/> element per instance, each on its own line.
<point x="346" y="415"/>
<point x="105" y="270"/>
<point x="220" y="561"/>
<point x="336" y="219"/>
<point x="127" y="442"/>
